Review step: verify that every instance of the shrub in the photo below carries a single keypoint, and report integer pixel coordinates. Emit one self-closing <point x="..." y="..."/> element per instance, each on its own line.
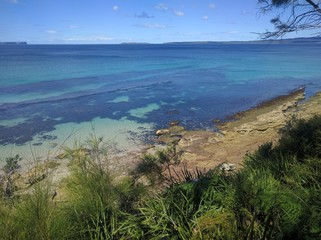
<point x="36" y="216"/>
<point x="276" y="195"/>
<point x="277" y="186"/>
<point x="217" y="224"/>
<point x="7" y="230"/>
<point x="174" y="213"/>
<point x="8" y="180"/>
<point x="158" y="167"/>
<point x="302" y="139"/>
<point x="99" y="205"/>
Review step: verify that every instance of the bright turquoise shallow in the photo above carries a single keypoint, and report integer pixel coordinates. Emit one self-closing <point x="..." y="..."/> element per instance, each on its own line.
<point x="126" y="91"/>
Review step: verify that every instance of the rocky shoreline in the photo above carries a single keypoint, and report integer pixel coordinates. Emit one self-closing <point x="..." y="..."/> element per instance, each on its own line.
<point x="243" y="134"/>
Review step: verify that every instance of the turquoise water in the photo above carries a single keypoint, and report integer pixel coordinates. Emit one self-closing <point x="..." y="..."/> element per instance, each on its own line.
<point x="51" y="94"/>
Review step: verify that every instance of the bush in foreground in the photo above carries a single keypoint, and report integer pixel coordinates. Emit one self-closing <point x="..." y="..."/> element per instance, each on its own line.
<point x="276" y="195"/>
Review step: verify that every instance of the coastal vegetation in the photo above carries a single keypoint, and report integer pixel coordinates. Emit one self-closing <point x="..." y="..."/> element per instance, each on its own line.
<point x="275" y="195"/>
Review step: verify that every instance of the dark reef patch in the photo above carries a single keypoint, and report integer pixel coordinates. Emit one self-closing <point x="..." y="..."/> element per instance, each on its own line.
<point x="179" y="98"/>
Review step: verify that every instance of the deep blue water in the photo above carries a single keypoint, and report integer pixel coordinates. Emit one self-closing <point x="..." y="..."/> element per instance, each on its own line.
<point x="43" y="86"/>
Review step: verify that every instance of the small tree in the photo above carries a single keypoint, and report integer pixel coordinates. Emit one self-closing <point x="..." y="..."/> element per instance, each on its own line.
<point x="9" y="169"/>
<point x="158" y="166"/>
<point x="303" y="15"/>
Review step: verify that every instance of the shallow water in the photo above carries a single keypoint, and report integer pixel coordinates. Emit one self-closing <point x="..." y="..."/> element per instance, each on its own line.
<point x="54" y="94"/>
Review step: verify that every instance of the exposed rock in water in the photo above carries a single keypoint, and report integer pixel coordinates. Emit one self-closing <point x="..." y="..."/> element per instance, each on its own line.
<point x="216" y="121"/>
<point x="234" y="139"/>
<point x="162" y="132"/>
<point x="176" y="129"/>
<point x="170" y="135"/>
<point x="174" y="123"/>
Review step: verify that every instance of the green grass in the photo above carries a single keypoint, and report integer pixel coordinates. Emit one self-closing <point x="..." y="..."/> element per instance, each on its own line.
<point x="276" y="195"/>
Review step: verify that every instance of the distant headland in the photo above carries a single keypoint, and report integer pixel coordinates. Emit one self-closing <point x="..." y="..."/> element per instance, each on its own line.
<point x="13" y="43"/>
<point x="301" y="40"/>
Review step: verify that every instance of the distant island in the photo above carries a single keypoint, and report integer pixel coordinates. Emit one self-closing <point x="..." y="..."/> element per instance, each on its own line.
<point x="13" y="43"/>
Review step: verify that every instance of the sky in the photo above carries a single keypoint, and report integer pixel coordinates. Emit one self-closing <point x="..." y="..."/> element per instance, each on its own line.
<point x="118" y="21"/>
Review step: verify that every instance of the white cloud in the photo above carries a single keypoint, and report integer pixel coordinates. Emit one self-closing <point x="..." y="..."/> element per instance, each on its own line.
<point x="162" y="6"/>
<point x="205" y="18"/>
<point x="179" y="13"/>
<point x="51" y="31"/>
<point x="143" y="15"/>
<point x="211" y="5"/>
<point x="152" y="26"/>
<point x="115" y="8"/>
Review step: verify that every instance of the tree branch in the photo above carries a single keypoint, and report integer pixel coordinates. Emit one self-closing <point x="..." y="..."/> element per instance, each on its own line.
<point x="304" y="15"/>
<point x="314" y="5"/>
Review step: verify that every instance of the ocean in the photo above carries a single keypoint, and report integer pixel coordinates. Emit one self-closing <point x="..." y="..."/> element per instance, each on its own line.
<point x="56" y="95"/>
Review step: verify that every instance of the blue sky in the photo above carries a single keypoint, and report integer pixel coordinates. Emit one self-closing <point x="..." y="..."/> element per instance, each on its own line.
<point x="116" y="21"/>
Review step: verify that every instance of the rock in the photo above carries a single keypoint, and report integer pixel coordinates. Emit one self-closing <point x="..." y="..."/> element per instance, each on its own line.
<point x="216" y="121"/>
<point x="172" y="130"/>
<point x="223" y="133"/>
<point x="301" y="97"/>
<point x="227" y="167"/>
<point x="286" y="106"/>
<point x="176" y="129"/>
<point x="214" y="139"/>
<point x="174" y="123"/>
<point x="162" y="132"/>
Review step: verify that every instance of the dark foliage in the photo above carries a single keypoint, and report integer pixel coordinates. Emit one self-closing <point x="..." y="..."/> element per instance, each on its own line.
<point x="298" y="15"/>
<point x="301" y="139"/>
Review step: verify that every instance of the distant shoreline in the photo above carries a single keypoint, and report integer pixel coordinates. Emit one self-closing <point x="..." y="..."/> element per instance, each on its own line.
<point x="307" y="40"/>
<point x="13" y="43"/>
